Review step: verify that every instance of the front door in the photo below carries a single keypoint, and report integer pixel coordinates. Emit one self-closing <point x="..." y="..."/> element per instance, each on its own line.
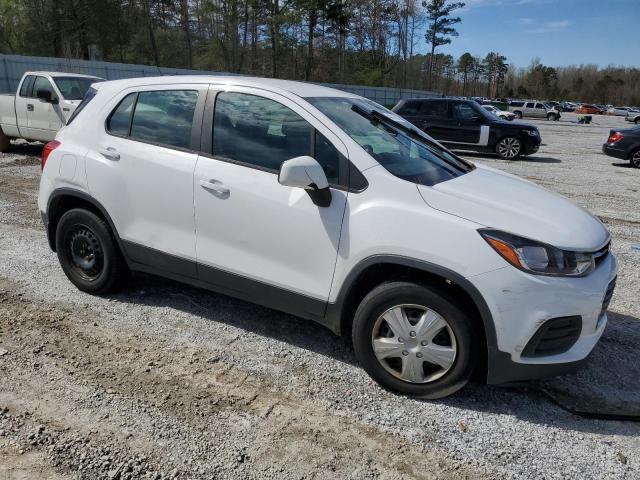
<point x="141" y="171"/>
<point x="43" y="120"/>
<point x="256" y="238"/>
<point x="468" y="124"/>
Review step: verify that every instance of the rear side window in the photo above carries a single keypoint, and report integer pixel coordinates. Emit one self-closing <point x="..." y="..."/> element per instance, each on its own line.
<point x="530" y="105"/>
<point x="85" y="101"/>
<point x="118" y="122"/>
<point x="410" y="107"/>
<point x="25" y="88"/>
<point x="164" y="117"/>
<point x="436" y="108"/>
<point x="517" y="104"/>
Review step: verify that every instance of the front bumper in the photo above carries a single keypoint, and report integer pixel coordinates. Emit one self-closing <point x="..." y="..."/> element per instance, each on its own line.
<point x="521" y="303"/>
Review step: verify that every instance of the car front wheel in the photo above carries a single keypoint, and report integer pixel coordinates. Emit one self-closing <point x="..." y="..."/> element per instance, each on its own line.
<point x="413" y="340"/>
<point x="551" y="117"/>
<point x="509" y="148"/>
<point x="518" y="115"/>
<point x="88" y="252"/>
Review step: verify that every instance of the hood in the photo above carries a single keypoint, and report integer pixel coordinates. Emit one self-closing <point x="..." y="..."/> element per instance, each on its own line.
<point x="505" y="202"/>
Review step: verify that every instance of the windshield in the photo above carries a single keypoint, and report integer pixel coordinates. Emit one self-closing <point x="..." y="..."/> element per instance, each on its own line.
<point x="392" y="141"/>
<point x="74" y="88"/>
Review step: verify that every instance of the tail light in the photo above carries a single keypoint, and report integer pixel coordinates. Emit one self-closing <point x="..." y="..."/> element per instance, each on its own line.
<point x="614" y="137"/>
<point x="46" y="151"/>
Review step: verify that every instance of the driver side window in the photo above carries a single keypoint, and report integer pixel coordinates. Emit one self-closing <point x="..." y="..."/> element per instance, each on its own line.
<point x="263" y="133"/>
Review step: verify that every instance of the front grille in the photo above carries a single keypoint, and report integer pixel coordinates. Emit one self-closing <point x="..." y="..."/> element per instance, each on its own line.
<point x="556" y="335"/>
<point x="600" y="255"/>
<point x="607" y="296"/>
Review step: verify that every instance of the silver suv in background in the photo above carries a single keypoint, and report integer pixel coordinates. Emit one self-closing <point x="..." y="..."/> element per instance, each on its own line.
<point x="533" y="109"/>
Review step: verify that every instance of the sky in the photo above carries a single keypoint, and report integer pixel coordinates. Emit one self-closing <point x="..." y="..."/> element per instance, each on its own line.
<point x="559" y="32"/>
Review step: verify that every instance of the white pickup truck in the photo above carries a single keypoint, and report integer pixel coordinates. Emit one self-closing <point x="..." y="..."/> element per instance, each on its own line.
<point x="42" y="105"/>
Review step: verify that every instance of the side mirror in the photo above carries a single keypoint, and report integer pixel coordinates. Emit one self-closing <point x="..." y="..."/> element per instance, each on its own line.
<point x="305" y="172"/>
<point x="46" y="96"/>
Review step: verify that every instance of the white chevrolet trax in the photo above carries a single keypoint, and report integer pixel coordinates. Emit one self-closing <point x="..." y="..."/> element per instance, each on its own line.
<point x="325" y="205"/>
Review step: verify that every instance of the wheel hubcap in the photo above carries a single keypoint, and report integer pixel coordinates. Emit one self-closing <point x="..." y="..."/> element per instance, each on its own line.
<point x="635" y="160"/>
<point x="85" y="252"/>
<point x="414" y="343"/>
<point x="509" y="147"/>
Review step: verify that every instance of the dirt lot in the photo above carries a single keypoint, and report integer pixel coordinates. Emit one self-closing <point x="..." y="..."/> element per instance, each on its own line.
<point x="167" y="381"/>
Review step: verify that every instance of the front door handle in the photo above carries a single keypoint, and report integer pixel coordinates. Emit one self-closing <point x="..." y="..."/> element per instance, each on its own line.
<point x="110" y="153"/>
<point x="214" y="186"/>
<point x="30" y="107"/>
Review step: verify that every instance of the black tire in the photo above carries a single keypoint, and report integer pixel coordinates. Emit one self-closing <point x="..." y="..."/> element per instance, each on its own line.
<point x="551" y="117"/>
<point x="518" y="115"/>
<point x="388" y="295"/>
<point x="5" y="142"/>
<point x="634" y="158"/>
<point x="637" y="121"/>
<point x="88" y="253"/>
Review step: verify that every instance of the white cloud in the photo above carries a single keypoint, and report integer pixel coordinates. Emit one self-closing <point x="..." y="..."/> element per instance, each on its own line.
<point x="551" y="26"/>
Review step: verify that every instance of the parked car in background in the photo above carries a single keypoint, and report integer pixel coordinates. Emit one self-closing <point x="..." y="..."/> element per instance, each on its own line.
<point x="624" y="144"/>
<point x="504" y="114"/>
<point x="568" y="106"/>
<point x="41" y="106"/>
<point x="533" y="109"/>
<point x="328" y="206"/>
<point x="618" y="111"/>
<point x="466" y="125"/>
<point x="588" y="109"/>
<point x="633" y="116"/>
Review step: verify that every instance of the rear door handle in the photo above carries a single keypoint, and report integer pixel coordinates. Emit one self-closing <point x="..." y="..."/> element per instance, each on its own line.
<point x="214" y="186"/>
<point x="30" y="107"/>
<point x="110" y="153"/>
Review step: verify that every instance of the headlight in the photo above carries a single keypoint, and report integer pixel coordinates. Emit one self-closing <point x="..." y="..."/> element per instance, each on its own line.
<point x="536" y="257"/>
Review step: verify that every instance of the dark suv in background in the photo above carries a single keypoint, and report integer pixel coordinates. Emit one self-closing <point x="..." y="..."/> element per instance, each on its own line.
<point x="465" y="125"/>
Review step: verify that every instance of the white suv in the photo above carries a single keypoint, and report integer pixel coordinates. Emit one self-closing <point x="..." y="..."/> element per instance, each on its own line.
<point x="328" y="206"/>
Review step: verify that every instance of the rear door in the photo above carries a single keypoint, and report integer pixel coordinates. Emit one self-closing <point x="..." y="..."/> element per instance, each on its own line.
<point x="256" y="238"/>
<point x="529" y="109"/>
<point x="435" y="119"/>
<point x="141" y="170"/>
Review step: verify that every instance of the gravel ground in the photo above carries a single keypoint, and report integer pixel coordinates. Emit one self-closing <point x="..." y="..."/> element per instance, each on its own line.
<point x="168" y="381"/>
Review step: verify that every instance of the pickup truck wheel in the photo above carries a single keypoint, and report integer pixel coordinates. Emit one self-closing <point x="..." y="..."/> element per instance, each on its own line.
<point x="551" y="117"/>
<point x="635" y="159"/>
<point x="413" y="340"/>
<point x="637" y="121"/>
<point x="88" y="252"/>
<point x="518" y="115"/>
<point x="509" y="148"/>
<point x="5" y="142"/>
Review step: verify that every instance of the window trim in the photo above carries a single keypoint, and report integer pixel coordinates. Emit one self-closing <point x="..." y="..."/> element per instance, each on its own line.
<point x="206" y="143"/>
<point x="196" y="127"/>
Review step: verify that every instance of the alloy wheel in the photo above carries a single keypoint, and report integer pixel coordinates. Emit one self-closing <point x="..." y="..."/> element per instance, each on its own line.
<point x="635" y="159"/>
<point x="414" y="343"/>
<point x="509" y="147"/>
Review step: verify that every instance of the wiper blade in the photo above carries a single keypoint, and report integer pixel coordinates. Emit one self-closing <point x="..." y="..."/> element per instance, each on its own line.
<point x="382" y="118"/>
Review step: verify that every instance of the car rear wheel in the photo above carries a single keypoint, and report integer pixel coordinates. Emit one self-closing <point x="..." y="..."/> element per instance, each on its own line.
<point x="635" y="159"/>
<point x="509" y="148"/>
<point x="413" y="340"/>
<point x="88" y="252"/>
<point x="637" y="121"/>
<point x="518" y="115"/>
<point x="5" y="142"/>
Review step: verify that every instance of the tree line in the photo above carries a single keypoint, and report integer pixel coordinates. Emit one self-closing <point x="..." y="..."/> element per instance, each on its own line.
<point x="396" y="43"/>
